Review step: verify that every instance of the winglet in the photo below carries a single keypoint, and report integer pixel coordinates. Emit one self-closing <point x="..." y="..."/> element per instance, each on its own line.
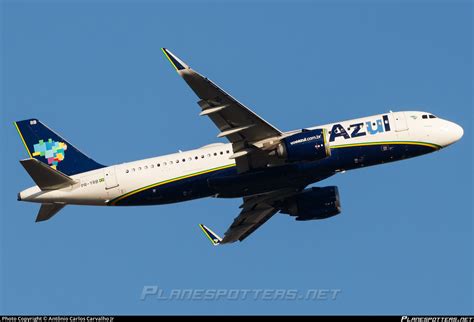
<point x="175" y="61"/>
<point x="213" y="237"/>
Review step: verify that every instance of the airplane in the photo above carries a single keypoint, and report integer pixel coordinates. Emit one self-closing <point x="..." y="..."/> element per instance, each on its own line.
<point x="269" y="169"/>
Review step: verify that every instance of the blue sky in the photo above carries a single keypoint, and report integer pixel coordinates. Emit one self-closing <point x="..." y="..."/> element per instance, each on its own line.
<point x="94" y="72"/>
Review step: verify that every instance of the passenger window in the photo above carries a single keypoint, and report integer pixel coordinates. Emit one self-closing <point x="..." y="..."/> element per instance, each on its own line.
<point x="152" y="166"/>
<point x="126" y="171"/>
<point x="139" y="168"/>
<point x="177" y="161"/>
<point x="133" y="169"/>
<point x="171" y="162"/>
<point x="227" y="151"/>
<point x="215" y="153"/>
<point x="184" y="160"/>
<point x="196" y="157"/>
<point x="157" y="164"/>
<point x="202" y="156"/>
<point x="222" y="153"/>
<point x="146" y="167"/>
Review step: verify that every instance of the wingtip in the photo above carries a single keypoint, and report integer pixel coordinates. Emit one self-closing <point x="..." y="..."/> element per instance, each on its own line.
<point x="212" y="236"/>
<point x="177" y="63"/>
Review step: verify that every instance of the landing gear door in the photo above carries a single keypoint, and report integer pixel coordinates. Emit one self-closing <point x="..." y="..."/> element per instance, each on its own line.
<point x="110" y="178"/>
<point x="400" y="121"/>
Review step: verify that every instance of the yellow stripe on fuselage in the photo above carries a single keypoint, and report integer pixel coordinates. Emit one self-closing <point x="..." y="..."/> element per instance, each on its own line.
<point x="114" y="201"/>
<point x="22" y="139"/>
<point x="431" y="145"/>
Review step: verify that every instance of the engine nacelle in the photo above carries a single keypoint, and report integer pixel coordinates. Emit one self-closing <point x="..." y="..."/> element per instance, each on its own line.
<point x="313" y="203"/>
<point x="309" y="145"/>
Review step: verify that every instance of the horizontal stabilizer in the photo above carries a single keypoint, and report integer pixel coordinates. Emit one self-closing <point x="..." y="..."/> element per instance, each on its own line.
<point x="213" y="237"/>
<point x="48" y="210"/>
<point x="46" y="177"/>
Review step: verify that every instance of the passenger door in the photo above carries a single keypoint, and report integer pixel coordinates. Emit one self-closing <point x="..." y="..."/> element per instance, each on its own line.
<point x="110" y="178"/>
<point x="400" y="121"/>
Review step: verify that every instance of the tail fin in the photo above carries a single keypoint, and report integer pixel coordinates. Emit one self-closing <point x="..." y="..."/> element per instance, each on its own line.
<point x="48" y="147"/>
<point x="48" y="210"/>
<point x="213" y="237"/>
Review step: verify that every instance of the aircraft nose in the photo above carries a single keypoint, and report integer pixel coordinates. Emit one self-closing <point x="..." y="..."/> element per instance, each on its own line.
<point x="452" y="133"/>
<point x="457" y="132"/>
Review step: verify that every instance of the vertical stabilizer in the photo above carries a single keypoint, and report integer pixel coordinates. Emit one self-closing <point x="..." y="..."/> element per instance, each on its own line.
<point x="48" y="147"/>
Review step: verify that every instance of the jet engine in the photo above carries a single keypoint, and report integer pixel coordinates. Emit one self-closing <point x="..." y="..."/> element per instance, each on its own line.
<point x="308" y="145"/>
<point x="313" y="203"/>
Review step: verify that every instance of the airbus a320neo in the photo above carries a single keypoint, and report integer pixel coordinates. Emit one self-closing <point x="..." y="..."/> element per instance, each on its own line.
<point x="269" y="169"/>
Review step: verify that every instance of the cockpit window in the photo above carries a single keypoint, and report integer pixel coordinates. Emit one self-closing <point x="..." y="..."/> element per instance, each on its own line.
<point x="424" y="116"/>
<point x="432" y="116"/>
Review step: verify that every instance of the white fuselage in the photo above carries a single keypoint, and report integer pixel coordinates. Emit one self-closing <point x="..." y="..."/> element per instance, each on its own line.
<point x="98" y="187"/>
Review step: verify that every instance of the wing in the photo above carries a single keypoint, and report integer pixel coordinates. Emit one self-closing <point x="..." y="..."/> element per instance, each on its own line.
<point x="256" y="210"/>
<point x="242" y="127"/>
<point x="247" y="222"/>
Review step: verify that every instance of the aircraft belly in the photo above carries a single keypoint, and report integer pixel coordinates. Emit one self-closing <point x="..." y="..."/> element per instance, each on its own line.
<point x="353" y="157"/>
<point x="175" y="189"/>
<point x="225" y="182"/>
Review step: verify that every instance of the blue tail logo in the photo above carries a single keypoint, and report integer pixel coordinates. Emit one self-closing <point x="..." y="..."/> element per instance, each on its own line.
<point x="48" y="147"/>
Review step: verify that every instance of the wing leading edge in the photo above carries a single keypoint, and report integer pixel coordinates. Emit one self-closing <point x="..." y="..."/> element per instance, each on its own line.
<point x="240" y="125"/>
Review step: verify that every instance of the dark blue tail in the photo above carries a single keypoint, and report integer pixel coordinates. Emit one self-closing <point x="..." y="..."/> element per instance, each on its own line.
<point x="48" y="147"/>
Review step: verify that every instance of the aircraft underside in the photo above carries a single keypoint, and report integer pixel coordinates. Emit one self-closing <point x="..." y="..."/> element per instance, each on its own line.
<point x="228" y="184"/>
